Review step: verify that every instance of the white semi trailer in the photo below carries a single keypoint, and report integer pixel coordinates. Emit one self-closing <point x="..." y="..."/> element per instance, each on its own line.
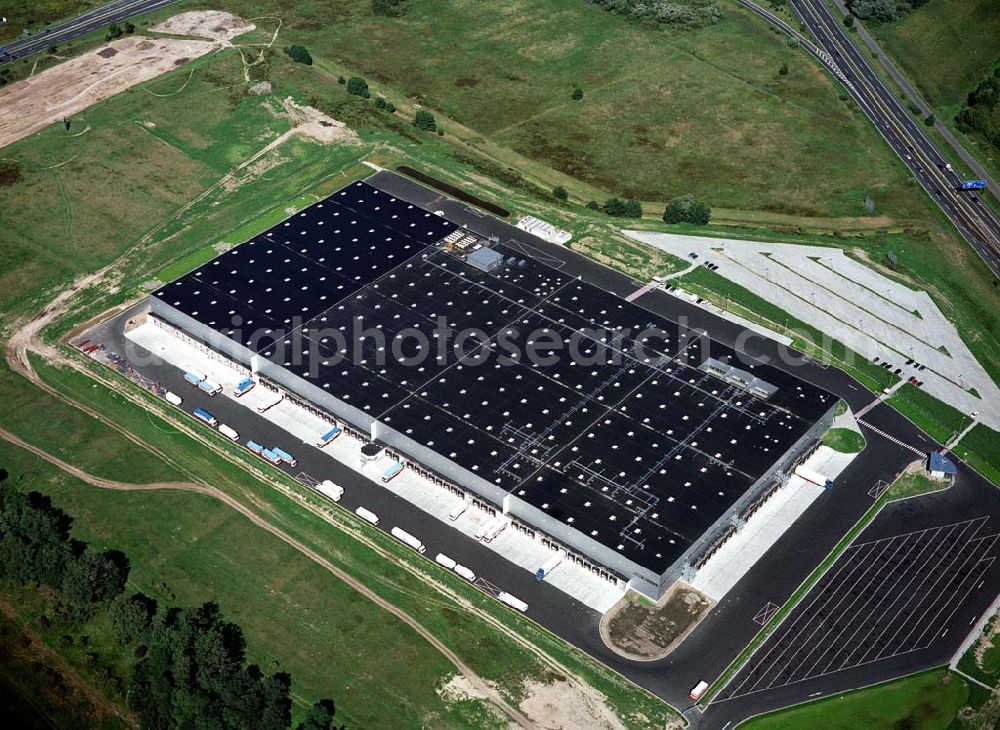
<point x="403" y="536"/>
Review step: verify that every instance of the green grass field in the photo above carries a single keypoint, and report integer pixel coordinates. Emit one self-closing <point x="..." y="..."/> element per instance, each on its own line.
<point x="928" y="701"/>
<point x="945" y="46"/>
<point x="938" y="419"/>
<point x="664" y="112"/>
<point x="844" y="440"/>
<point x="186" y="549"/>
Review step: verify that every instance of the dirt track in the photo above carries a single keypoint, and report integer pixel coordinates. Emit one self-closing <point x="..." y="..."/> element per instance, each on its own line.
<point x="66" y="89"/>
<point x="257" y="520"/>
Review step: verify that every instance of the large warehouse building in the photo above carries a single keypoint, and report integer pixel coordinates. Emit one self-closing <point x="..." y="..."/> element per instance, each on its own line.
<point x="633" y="458"/>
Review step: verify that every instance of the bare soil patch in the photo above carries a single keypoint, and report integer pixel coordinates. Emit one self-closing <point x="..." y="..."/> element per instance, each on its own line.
<point x="70" y="87"/>
<point x="563" y="705"/>
<point x="214" y="24"/>
<point x="640" y="631"/>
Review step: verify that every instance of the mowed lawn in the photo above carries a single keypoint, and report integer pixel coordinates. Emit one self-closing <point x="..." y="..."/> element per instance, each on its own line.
<point x="663" y="112"/>
<point x="186" y="549"/>
<point x="946" y="46"/>
<point x="920" y="702"/>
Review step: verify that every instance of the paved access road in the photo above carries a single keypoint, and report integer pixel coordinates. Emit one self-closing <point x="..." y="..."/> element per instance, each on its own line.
<point x="113" y="12"/>
<point x="977" y="223"/>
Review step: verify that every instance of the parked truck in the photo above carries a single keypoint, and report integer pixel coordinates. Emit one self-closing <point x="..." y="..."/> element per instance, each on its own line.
<point x="698" y="690"/>
<point x="328" y="437"/>
<point x="270" y="402"/>
<point x="392" y="472"/>
<point x="330" y="490"/>
<point x="465" y="573"/>
<point x="367" y="515"/>
<point x="813" y="476"/>
<point x="403" y="536"/>
<point x="203" y="415"/>
<point x="172" y="399"/>
<point x="489" y="531"/>
<point x="243" y="387"/>
<point x="549" y="565"/>
<point x="444" y="560"/>
<point x="285" y="456"/>
<point x="458" y="510"/>
<point x="194" y="377"/>
<point x="229" y="432"/>
<point x="210" y="387"/>
<point x="512" y="601"/>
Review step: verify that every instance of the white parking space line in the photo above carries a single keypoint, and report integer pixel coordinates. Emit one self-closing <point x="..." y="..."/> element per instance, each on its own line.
<point x="889" y="597"/>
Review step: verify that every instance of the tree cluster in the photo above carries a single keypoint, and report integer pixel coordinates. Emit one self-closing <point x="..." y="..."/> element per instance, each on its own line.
<point x="190" y="666"/>
<point x="193" y="671"/>
<point x="680" y="13"/>
<point x="382" y="103"/>
<point x="117" y="31"/>
<point x="425" y="121"/>
<point x="685" y="209"/>
<point x="882" y="11"/>
<point x="299" y="54"/>
<point x="617" y="208"/>
<point x="358" y="86"/>
<point x="981" y="113"/>
<point x="388" y="8"/>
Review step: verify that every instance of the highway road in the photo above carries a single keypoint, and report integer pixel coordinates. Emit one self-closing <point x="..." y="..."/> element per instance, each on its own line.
<point x="977" y="223"/>
<point x="112" y="12"/>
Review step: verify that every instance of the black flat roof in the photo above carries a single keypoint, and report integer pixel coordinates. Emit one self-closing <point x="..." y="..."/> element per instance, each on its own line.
<point x="641" y="451"/>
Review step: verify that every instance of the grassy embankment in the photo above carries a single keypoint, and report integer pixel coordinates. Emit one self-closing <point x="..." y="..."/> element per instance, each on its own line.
<point x="844" y="440"/>
<point x="927" y="701"/>
<point x="924" y="43"/>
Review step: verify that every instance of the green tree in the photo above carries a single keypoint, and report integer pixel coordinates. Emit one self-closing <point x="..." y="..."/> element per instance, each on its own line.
<point x="593" y="205"/>
<point x="560" y="192"/>
<point x="319" y="717"/>
<point x="677" y="209"/>
<point x="390" y="107"/>
<point x="849" y="20"/>
<point x="94" y="577"/>
<point x="577" y="94"/>
<point x="358" y="86"/>
<point x="380" y="102"/>
<point x="341" y="80"/>
<point x="699" y="213"/>
<point x="929" y="121"/>
<point x="615" y="207"/>
<point x="633" y="209"/>
<point x="783" y="71"/>
<point x="299" y="54"/>
<point x="3" y="475"/>
<point x="387" y="8"/>
<point x="131" y="617"/>
<point x="424" y="120"/>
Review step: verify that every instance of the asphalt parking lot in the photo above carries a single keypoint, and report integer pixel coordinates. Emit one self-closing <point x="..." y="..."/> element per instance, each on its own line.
<point x="882" y="599"/>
